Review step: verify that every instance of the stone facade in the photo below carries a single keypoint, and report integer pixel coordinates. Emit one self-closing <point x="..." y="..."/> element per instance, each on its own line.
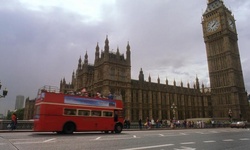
<point x="111" y="72"/>
<point x="229" y="98"/>
<point x="29" y="109"/>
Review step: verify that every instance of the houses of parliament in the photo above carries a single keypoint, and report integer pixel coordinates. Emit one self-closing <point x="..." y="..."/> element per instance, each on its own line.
<point x="225" y="98"/>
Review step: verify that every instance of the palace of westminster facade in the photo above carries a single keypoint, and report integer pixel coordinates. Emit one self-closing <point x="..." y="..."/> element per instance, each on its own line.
<point x="226" y="97"/>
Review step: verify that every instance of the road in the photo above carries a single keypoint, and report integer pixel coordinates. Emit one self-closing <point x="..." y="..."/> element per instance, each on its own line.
<point x="187" y="139"/>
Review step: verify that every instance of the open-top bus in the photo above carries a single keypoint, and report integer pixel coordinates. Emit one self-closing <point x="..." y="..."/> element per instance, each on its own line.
<point x="65" y="113"/>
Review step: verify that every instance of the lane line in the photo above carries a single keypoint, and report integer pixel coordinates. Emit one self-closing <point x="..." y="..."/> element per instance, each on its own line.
<point x="186" y="143"/>
<point x="185" y="148"/>
<point x="228" y="140"/>
<point x="108" y="139"/>
<point x="97" y="138"/>
<point x="49" y="140"/>
<point x="148" y="147"/>
<point x="244" y="139"/>
<point x="209" y="141"/>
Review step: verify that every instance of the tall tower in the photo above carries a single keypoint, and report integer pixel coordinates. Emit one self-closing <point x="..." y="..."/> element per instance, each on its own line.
<point x="19" y="102"/>
<point x="112" y="71"/>
<point x="229" y="99"/>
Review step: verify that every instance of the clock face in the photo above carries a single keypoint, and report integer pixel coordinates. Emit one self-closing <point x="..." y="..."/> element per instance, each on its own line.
<point x="230" y="23"/>
<point x="213" y="25"/>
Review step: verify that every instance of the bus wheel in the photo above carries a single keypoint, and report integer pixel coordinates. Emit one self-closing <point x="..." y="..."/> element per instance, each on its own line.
<point x="118" y="128"/>
<point x="68" y="128"/>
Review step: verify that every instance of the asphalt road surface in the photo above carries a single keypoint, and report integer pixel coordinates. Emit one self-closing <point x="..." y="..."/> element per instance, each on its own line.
<point x="187" y="139"/>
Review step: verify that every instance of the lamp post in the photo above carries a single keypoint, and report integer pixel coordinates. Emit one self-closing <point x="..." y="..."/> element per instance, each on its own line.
<point x="230" y="115"/>
<point x="5" y="91"/>
<point x="173" y="107"/>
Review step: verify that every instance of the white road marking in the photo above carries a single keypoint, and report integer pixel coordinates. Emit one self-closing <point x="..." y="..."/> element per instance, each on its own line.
<point x="161" y="134"/>
<point x="186" y="148"/>
<point x="49" y="140"/>
<point x="208" y="141"/>
<point x="97" y="138"/>
<point x="148" y="147"/>
<point x="183" y="133"/>
<point x="134" y="136"/>
<point x="119" y="138"/>
<point x="228" y="140"/>
<point x="244" y="139"/>
<point x="188" y="143"/>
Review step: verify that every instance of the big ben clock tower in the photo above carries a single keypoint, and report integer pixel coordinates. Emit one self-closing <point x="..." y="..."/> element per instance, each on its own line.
<point x="229" y="99"/>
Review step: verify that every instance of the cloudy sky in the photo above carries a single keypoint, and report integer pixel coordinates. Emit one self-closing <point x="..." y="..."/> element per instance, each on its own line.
<point x="42" y="40"/>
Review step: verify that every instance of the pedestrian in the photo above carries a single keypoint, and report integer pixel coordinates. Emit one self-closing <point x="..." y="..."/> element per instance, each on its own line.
<point x="148" y="123"/>
<point x="140" y="125"/>
<point x="13" y="121"/>
<point x="128" y="124"/>
<point x="125" y="123"/>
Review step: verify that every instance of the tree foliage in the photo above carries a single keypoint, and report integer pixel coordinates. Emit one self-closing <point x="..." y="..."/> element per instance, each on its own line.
<point x="19" y="113"/>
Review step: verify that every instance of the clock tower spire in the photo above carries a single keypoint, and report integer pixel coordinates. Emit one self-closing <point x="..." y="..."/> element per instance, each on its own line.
<point x="225" y="71"/>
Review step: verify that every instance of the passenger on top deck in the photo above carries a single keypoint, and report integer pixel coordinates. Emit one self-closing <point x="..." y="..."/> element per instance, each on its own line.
<point x="110" y="96"/>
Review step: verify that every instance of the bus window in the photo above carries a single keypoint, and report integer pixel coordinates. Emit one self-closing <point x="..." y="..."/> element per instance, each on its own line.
<point x="83" y="112"/>
<point x="71" y="112"/>
<point x="95" y="113"/>
<point x="107" y="113"/>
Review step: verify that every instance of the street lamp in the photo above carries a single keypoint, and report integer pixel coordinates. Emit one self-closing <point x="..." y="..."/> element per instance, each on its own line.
<point x="230" y="115"/>
<point x="173" y="107"/>
<point x="5" y="91"/>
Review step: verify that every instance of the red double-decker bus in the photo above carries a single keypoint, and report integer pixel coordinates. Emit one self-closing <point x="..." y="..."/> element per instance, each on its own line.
<point x="66" y="113"/>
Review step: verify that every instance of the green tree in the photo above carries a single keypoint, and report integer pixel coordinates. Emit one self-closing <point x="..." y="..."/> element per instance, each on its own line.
<point x="19" y="114"/>
<point x="8" y="117"/>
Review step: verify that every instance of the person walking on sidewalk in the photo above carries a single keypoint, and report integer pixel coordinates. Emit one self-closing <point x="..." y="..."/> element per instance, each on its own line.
<point x="140" y="125"/>
<point x="13" y="121"/>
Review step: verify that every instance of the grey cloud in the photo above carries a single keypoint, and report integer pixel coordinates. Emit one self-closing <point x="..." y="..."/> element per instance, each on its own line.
<point x="42" y="47"/>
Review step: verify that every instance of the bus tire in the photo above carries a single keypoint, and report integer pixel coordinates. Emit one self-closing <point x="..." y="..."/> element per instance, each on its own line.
<point x="69" y="128"/>
<point x="118" y="128"/>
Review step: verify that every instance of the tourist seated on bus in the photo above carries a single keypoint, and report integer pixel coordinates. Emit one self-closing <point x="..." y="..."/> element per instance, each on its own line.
<point x="110" y="96"/>
<point x="84" y="92"/>
<point x="98" y="95"/>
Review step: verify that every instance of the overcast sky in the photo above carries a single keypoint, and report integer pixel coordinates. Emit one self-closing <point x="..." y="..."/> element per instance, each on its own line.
<point x="42" y="40"/>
